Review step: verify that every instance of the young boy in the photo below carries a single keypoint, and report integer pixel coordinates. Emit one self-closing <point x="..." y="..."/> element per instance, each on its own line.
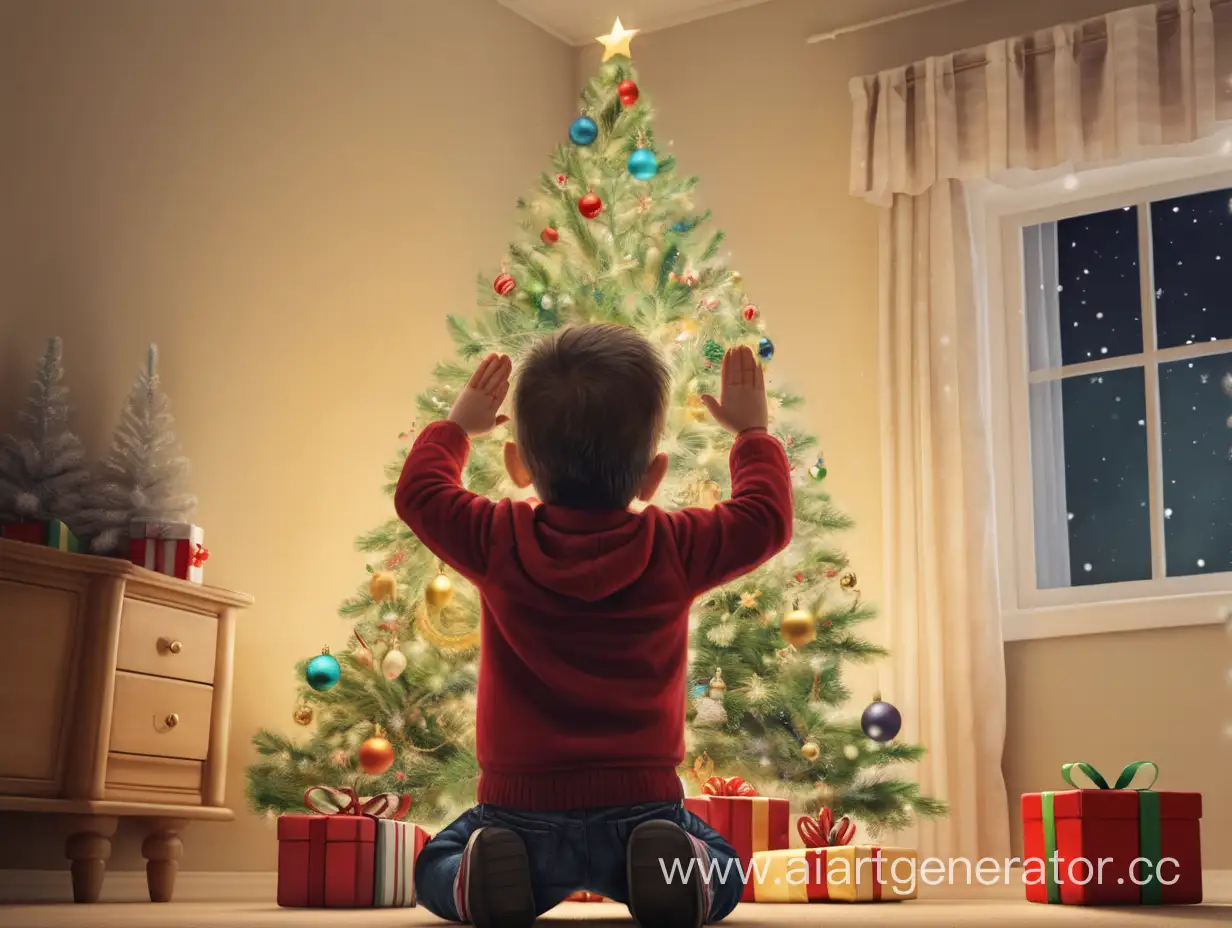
<point x="584" y="622"/>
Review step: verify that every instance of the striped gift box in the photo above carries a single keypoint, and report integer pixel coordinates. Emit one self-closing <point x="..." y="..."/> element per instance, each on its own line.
<point x="397" y="848"/>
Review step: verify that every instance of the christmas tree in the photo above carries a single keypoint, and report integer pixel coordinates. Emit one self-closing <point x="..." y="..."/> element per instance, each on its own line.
<point x="141" y="478"/>
<point x="42" y="471"/>
<point x="611" y="233"/>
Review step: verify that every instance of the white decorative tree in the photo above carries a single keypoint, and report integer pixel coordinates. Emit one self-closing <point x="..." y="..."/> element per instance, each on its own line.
<point x="141" y="479"/>
<point x="42" y="472"/>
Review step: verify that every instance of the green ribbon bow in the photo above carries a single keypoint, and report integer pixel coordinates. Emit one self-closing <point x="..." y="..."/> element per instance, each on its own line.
<point x="1150" y="843"/>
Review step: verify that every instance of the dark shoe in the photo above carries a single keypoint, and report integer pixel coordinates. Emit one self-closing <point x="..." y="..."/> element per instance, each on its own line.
<point x="667" y="877"/>
<point x="493" y="888"/>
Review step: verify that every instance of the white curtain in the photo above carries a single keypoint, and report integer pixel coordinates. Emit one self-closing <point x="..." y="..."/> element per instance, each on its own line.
<point x="1121" y="87"/>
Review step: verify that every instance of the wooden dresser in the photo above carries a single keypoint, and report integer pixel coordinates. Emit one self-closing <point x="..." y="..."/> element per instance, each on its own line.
<point x="115" y="701"/>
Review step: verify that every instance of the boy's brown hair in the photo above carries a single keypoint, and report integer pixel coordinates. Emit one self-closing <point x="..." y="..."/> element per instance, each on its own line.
<point x="589" y="407"/>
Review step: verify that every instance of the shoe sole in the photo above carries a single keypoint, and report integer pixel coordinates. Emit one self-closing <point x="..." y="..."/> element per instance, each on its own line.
<point x="654" y="902"/>
<point x="500" y="869"/>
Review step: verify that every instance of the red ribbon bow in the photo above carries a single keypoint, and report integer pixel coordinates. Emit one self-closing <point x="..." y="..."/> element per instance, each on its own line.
<point x="823" y="831"/>
<point x="198" y="556"/>
<point x="728" y="786"/>
<point x="341" y="800"/>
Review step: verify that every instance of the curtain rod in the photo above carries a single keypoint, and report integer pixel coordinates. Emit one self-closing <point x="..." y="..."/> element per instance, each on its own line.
<point x="880" y="21"/>
<point x="977" y="58"/>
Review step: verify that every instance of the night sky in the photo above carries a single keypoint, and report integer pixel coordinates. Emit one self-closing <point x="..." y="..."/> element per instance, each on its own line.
<point x="1105" y="414"/>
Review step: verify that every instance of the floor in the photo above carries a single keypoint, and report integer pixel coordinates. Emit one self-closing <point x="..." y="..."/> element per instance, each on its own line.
<point x="935" y="914"/>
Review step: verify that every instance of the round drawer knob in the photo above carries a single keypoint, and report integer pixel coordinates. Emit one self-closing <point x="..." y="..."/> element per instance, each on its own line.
<point x="175" y="647"/>
<point x="172" y="720"/>
<point x="167" y="724"/>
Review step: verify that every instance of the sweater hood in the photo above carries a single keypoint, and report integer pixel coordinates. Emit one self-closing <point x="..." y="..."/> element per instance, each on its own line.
<point x="586" y="555"/>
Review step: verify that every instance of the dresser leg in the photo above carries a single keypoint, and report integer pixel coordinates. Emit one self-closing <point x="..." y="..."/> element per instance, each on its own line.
<point x="89" y="848"/>
<point x="162" y="849"/>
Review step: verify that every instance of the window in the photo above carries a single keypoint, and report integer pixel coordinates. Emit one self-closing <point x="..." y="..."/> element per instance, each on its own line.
<point x="1119" y="417"/>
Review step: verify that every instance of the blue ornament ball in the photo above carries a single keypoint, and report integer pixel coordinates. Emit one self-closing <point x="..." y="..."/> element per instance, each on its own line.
<point x="881" y="721"/>
<point x="583" y="131"/>
<point x="643" y="164"/>
<point x="765" y="349"/>
<point x="701" y="690"/>
<point x="323" y="672"/>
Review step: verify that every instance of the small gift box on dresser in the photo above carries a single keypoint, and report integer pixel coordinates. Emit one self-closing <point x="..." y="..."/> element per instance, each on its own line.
<point x="1112" y="845"/>
<point x="329" y="859"/>
<point x="749" y="822"/>
<point x="50" y="534"/>
<point x="173" y="548"/>
<point x="831" y="869"/>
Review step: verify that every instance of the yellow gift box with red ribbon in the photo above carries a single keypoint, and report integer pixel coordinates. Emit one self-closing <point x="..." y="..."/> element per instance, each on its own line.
<point x="830" y="869"/>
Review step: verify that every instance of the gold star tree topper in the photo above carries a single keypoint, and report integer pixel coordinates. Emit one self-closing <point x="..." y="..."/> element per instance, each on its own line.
<point x="617" y="41"/>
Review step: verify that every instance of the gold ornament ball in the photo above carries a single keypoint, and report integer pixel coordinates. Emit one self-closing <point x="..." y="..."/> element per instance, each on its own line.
<point x="712" y="493"/>
<point x="303" y="715"/>
<point x="695" y="408"/>
<point x="384" y="587"/>
<point x="826" y="794"/>
<point x="798" y="627"/>
<point x="736" y="277"/>
<point x="439" y="591"/>
<point x="376" y="755"/>
<point x="848" y="581"/>
<point x="811" y="751"/>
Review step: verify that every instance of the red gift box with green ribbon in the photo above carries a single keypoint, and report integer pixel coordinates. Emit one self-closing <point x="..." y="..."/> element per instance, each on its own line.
<point x="1112" y="845"/>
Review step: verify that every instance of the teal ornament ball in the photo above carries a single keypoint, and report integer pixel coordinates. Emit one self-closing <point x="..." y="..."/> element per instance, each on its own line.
<point x="643" y="164"/>
<point x="583" y="131"/>
<point x="323" y="672"/>
<point x="765" y="349"/>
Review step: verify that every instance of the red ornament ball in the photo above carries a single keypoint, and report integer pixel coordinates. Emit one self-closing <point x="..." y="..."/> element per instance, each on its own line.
<point x="504" y="284"/>
<point x="628" y="92"/>
<point x="750" y="313"/>
<point x="550" y="236"/>
<point x="590" y="205"/>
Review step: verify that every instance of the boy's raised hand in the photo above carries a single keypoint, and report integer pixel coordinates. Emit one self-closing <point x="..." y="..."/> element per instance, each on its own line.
<point x="742" y="400"/>
<point x="477" y="407"/>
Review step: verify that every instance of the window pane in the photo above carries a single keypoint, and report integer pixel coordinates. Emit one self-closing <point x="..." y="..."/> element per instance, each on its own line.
<point x="1192" y="249"/>
<point x="1101" y="293"/>
<point x="1197" y="467"/>
<point x="1089" y="467"/>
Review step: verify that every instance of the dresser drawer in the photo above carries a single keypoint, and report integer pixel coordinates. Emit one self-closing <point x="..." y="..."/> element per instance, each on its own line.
<point x="166" y="642"/>
<point x="162" y="718"/>
<point x="139" y="778"/>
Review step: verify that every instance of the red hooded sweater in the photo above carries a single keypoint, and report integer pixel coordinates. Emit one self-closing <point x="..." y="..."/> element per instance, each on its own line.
<point x="584" y="620"/>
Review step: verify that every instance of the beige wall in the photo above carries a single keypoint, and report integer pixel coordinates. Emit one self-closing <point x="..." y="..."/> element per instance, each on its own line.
<point x="763" y="119"/>
<point x="288" y="195"/>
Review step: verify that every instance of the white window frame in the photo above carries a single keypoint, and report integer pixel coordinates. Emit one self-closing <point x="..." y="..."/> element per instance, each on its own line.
<point x="1161" y="602"/>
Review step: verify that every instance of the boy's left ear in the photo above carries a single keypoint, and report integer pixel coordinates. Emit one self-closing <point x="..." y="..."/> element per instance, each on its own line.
<point x="654" y="476"/>
<point x="513" y="464"/>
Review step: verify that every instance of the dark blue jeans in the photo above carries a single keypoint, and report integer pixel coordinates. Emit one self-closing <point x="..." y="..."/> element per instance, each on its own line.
<point x="571" y="851"/>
